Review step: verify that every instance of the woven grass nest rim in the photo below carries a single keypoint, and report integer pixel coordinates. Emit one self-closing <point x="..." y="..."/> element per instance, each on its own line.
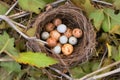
<point x="74" y="18"/>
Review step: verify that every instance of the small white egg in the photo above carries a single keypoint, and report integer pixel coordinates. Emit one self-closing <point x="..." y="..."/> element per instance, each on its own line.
<point x="57" y="49"/>
<point x="61" y="28"/>
<point x="73" y="40"/>
<point x="45" y="35"/>
<point x="63" y="39"/>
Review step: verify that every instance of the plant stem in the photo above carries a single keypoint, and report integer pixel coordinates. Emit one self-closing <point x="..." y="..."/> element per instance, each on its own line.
<point x="102" y="69"/>
<point x="9" y="21"/>
<point x="11" y="8"/>
<point x="104" y="75"/>
<point x="59" y="72"/>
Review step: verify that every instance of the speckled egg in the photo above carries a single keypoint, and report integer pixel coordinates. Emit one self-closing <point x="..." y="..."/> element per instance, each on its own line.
<point x="63" y="39"/>
<point x="57" y="49"/>
<point x="73" y="40"/>
<point x="68" y="33"/>
<point x="45" y="35"/>
<point x="55" y="34"/>
<point x="67" y="49"/>
<point x="61" y="28"/>
<point x="51" y="42"/>
<point x="49" y="27"/>
<point x="57" y="21"/>
<point x="77" y="32"/>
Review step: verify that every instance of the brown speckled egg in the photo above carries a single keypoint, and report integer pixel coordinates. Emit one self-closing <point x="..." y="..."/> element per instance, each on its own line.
<point x="68" y="33"/>
<point x="55" y="34"/>
<point x="49" y="27"/>
<point x="67" y="49"/>
<point x="77" y="32"/>
<point x="57" y="21"/>
<point x="51" y="42"/>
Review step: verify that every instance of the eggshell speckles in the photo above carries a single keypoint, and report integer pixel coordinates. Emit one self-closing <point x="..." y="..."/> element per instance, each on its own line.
<point x="77" y="32"/>
<point x="51" y="42"/>
<point x="67" y="49"/>
<point x="49" y="27"/>
<point x="55" y="34"/>
<point x="57" y="21"/>
<point x="68" y="33"/>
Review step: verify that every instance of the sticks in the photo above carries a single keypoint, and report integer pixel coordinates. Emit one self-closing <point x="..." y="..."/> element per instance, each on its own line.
<point x="104" y="75"/>
<point x="9" y="21"/>
<point x="11" y="8"/>
<point x="102" y="2"/>
<point x="102" y="69"/>
<point x="59" y="72"/>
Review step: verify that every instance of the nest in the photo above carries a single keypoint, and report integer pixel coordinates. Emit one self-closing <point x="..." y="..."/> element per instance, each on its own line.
<point x="74" y="18"/>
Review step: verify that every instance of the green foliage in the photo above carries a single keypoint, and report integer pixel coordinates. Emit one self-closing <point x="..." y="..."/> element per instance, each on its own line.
<point x="98" y="17"/>
<point x="117" y="4"/>
<point x="33" y="5"/>
<point x="115" y="53"/>
<point x="11" y="66"/>
<point x="3" y="7"/>
<point x="35" y="59"/>
<point x="7" y="45"/>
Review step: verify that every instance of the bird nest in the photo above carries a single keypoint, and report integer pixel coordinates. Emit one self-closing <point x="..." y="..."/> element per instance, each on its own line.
<point x="72" y="17"/>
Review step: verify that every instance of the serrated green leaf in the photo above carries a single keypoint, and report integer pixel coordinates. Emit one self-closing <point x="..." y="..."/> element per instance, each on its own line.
<point x="32" y="5"/>
<point x="11" y="66"/>
<point x="7" y="45"/>
<point x="35" y="59"/>
<point x="98" y="18"/>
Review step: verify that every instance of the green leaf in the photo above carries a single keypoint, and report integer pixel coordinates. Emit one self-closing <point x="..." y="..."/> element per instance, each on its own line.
<point x="32" y="5"/>
<point x="35" y="59"/>
<point x="98" y="18"/>
<point x="77" y="72"/>
<point x="89" y="8"/>
<point x="110" y="20"/>
<point x="31" y="32"/>
<point x="7" y="45"/>
<point x="115" y="29"/>
<point x="11" y="66"/>
<point x="106" y="26"/>
<point x="116" y="53"/>
<point x="117" y="4"/>
<point x="3" y="8"/>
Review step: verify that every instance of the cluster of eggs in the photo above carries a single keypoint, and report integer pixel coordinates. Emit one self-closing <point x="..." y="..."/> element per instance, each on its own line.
<point x="60" y="38"/>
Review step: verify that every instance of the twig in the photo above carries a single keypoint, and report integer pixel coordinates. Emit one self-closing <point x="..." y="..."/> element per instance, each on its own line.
<point x="11" y="8"/>
<point x="19" y="15"/>
<point x="102" y="69"/>
<point x="102" y="2"/>
<point x="59" y="72"/>
<point x="104" y="75"/>
<point x="103" y="58"/>
<point x="57" y="2"/>
<point x="9" y="21"/>
<point x="20" y="25"/>
<point x="6" y="59"/>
